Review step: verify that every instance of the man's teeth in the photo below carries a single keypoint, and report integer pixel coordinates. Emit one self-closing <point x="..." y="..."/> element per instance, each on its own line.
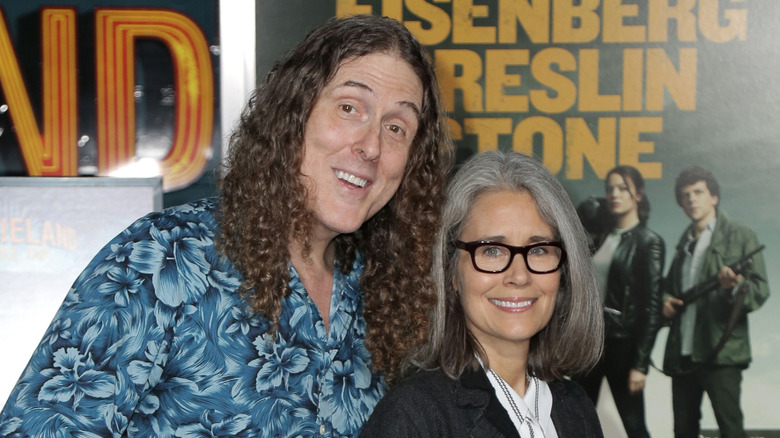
<point x="513" y="304"/>
<point x="352" y="179"/>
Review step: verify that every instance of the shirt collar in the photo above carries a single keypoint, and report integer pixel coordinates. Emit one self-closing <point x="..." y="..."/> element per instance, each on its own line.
<point x="621" y="231"/>
<point x="710" y="227"/>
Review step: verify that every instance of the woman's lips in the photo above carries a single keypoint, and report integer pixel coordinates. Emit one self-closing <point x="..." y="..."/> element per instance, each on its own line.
<point x="512" y="304"/>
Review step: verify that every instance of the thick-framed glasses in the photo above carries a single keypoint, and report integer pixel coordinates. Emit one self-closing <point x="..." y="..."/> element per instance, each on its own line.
<point x="494" y="257"/>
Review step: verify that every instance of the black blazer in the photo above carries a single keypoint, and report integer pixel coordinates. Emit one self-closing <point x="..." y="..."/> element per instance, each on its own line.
<point x="430" y="404"/>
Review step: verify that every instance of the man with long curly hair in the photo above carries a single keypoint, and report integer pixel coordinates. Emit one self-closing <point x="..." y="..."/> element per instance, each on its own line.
<point x="284" y="306"/>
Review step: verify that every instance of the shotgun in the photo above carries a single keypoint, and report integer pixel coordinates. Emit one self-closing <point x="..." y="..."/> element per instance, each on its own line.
<point x="711" y="283"/>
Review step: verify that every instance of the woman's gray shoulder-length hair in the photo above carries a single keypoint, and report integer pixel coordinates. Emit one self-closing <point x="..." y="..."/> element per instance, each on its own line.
<point x="572" y="340"/>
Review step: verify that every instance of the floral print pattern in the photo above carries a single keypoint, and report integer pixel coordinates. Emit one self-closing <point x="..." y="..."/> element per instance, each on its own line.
<point x="153" y="339"/>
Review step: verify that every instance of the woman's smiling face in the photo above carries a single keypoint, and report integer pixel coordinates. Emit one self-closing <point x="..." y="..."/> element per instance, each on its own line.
<point x="505" y="310"/>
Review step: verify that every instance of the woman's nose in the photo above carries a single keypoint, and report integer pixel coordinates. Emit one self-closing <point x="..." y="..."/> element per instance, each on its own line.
<point x="517" y="273"/>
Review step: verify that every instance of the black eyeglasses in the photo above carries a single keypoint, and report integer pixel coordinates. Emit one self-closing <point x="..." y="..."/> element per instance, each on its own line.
<point x="495" y="257"/>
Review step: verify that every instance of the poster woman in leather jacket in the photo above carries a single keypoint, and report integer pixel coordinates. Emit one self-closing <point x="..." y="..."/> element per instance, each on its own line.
<point x="629" y="259"/>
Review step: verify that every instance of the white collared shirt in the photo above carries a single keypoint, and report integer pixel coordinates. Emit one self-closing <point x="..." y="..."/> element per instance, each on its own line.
<point x="544" y="427"/>
<point x="691" y="270"/>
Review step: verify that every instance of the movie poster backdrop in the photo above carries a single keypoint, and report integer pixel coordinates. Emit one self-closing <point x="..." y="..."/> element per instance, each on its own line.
<point x="583" y="85"/>
<point x="586" y="85"/>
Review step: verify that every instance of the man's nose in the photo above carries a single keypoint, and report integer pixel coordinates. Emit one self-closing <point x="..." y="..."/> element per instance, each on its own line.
<point x="369" y="145"/>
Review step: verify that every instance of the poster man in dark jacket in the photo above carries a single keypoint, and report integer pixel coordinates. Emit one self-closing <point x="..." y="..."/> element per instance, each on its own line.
<point x="706" y="249"/>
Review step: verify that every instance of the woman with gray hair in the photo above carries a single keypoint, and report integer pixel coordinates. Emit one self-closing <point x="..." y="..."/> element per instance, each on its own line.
<point x="517" y="311"/>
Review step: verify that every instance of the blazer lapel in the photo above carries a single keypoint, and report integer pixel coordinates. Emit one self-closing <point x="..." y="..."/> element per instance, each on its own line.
<point x="486" y="415"/>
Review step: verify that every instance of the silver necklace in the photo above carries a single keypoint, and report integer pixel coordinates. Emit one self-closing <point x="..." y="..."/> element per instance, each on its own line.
<point x="508" y="395"/>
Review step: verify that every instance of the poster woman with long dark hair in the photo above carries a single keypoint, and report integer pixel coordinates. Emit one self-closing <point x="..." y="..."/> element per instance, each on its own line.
<point x="629" y="259"/>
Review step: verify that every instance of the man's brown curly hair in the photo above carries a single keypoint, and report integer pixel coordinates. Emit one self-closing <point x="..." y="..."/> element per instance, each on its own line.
<point x="263" y="200"/>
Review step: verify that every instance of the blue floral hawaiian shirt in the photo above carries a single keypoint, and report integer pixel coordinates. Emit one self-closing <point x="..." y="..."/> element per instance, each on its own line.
<point x="153" y="340"/>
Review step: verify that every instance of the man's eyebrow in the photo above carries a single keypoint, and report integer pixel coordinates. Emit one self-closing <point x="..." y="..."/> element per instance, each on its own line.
<point x="351" y="83"/>
<point x="413" y="106"/>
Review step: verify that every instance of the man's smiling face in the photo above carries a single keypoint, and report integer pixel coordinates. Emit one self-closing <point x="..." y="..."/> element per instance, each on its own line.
<point x="358" y="139"/>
